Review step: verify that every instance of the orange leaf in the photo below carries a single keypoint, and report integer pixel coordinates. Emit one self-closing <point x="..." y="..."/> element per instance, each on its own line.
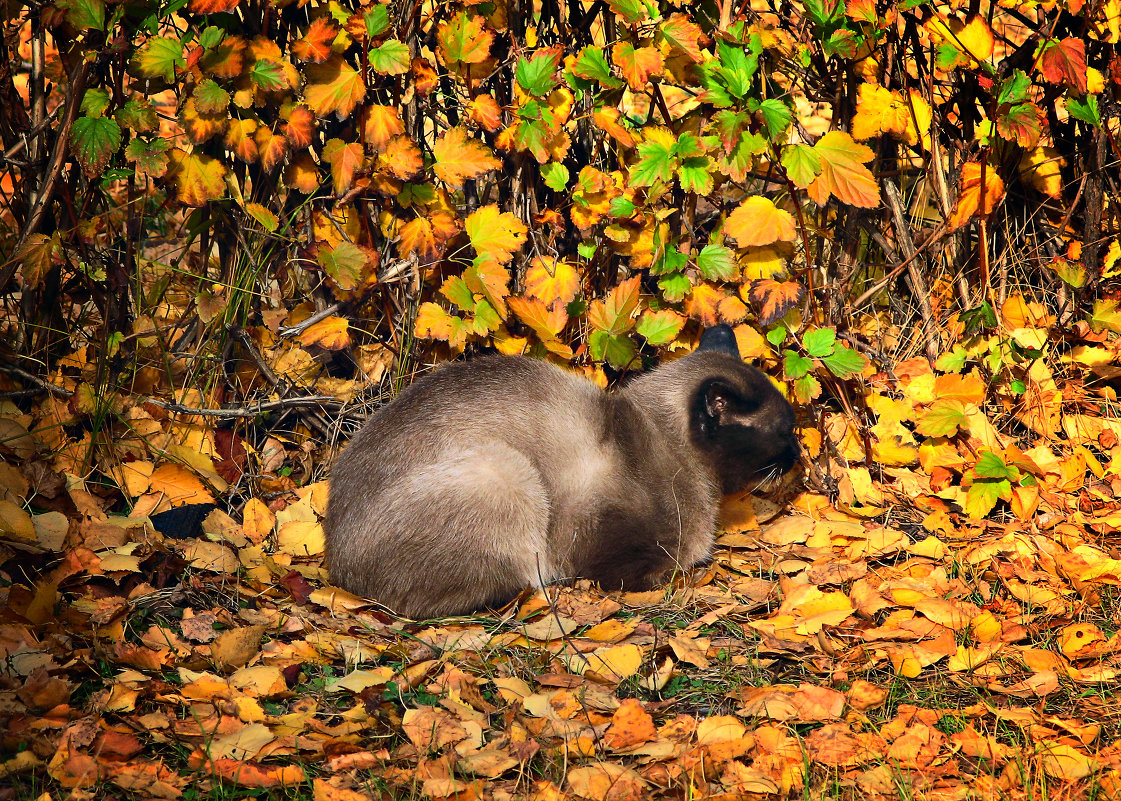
<point x="316" y="44"/>
<point x="843" y="173"/>
<point x="329" y="333"/>
<point x="434" y="322"/>
<point x="546" y="321"/>
<point x="969" y="204"/>
<point x="607" y="120"/>
<point x="464" y="39"/>
<point x="485" y="111"/>
<point x="631" y="725"/>
<point x="345" y="160"/>
<point x="713" y="306"/>
<point x="426" y="237"/>
<point x="226" y="60"/>
<point x="758" y="221"/>
<point x="302" y="173"/>
<point x="381" y="124"/>
<point x="333" y="85"/>
<point x="614" y="314"/>
<point x="402" y="158"/>
<point x="637" y="64"/>
<point x="201" y="127"/>
<point x="773" y="299"/>
<point x="552" y="281"/>
<point x="239" y="139"/>
<point x="495" y="234"/>
<point x="1065" y="62"/>
<point x="213" y="6"/>
<point x="459" y="157"/>
<point x="271" y="147"/>
<point x="179" y="485"/>
<point x="249" y="774"/>
<point x="300" y="128"/>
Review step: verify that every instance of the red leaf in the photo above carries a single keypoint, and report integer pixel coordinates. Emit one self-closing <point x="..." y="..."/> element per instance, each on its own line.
<point x="316" y="44"/>
<point x="1065" y="62"/>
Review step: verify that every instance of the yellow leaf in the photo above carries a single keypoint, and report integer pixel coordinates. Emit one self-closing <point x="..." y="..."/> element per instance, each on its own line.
<point x="551" y="280"/>
<point x="197" y="179"/>
<point x="616" y="663"/>
<point x="179" y="485"/>
<point x="1041" y="167"/>
<point x="333" y="85"/>
<point x="300" y="538"/>
<point x="495" y="234"/>
<point x="1064" y="761"/>
<point x="459" y="157"/>
<point x="712" y="306"/>
<point x="329" y="333"/>
<point x="758" y="221"/>
<point x="843" y="173"/>
<point x="16" y="523"/>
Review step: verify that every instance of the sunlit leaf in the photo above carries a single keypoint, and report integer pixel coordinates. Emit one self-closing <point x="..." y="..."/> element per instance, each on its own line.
<point x="843" y="173"/>
<point x="712" y="305"/>
<point x="684" y="34"/>
<point x="333" y="86"/>
<point x="660" y="327"/>
<point x="434" y="322"/>
<point x="347" y="264"/>
<point x="537" y="74"/>
<point x="158" y="58"/>
<point x="300" y="128"/>
<point x="213" y="6"/>
<point x="197" y="178"/>
<point x="551" y="280"/>
<point x="345" y="160"/>
<point x="638" y="65"/>
<point x="391" y="57"/>
<point x="464" y="39"/>
<point x="460" y="156"/>
<point x="494" y="234"/>
<point x="758" y="221"/>
<point x="315" y="46"/>
<point x="239" y="139"/>
<point x="773" y="299"/>
<point x="402" y="158"/>
<point x="717" y="263"/>
<point x="150" y="158"/>
<point x="943" y="419"/>
<point x="1065" y="62"/>
<point x="614" y="313"/>
<point x="976" y="180"/>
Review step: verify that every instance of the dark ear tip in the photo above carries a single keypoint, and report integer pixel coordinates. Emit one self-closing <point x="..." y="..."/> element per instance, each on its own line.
<point x="720" y="338"/>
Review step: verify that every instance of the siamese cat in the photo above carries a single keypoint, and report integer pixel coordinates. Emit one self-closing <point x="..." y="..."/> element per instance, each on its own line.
<point x="489" y="476"/>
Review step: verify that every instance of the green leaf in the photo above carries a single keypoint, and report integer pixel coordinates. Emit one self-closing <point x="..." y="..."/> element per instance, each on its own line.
<point x="631" y="11"/>
<point x="211" y="36"/>
<point x="391" y="57"/>
<point x="954" y="361"/>
<point x="620" y="207"/>
<point x="802" y="164"/>
<point x="210" y="98"/>
<point x="1014" y="89"/>
<point x="1085" y="109"/>
<point x="694" y="175"/>
<point x="776" y="117"/>
<point x="944" y="417"/>
<point x="983" y="495"/>
<point x="796" y="365"/>
<point x="158" y="58"/>
<point x="618" y="350"/>
<point x="660" y="327"/>
<point x="536" y="75"/>
<point x="456" y="290"/>
<point x="819" y="342"/>
<point x="150" y="157"/>
<point x="84" y="14"/>
<point x="94" y="140"/>
<point x="95" y="102"/>
<point x="555" y="176"/>
<point x="825" y="14"/>
<point x="486" y="319"/>
<point x="656" y="163"/>
<point x="138" y="115"/>
<point x="989" y="465"/>
<point x="269" y="75"/>
<point x="675" y="287"/>
<point x="845" y="362"/>
<point x="586" y="249"/>
<point x="377" y="20"/>
<point x="344" y="262"/>
<point x="1105" y="315"/>
<point x="592" y="65"/>
<point x="807" y="388"/>
<point x="717" y="263"/>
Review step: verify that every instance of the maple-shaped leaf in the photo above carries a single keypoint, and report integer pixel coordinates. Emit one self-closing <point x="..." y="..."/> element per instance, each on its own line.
<point x="983" y="495"/>
<point x="656" y="160"/>
<point x="158" y="58"/>
<point x="402" y="158"/>
<point x="683" y="34"/>
<point x="773" y="299"/>
<point x="302" y="173"/>
<point x="300" y="127"/>
<point x="391" y="57"/>
<point x="37" y="256"/>
<point x="213" y="6"/>
<point x="347" y="264"/>
<point x="93" y="141"/>
<point x="434" y="322"/>
<point x="380" y="124"/>
<point x="1065" y="62"/>
<point x="459" y="157"/>
<point x="631" y="11"/>
<point x="614" y="313"/>
<point x="1021" y="123"/>
<point x="536" y="75"/>
<point x="333" y="85"/>
<point x="137" y="115"/>
<point x="486" y="276"/>
<point x="315" y="46"/>
<point x="943" y="418"/>
<point x="225" y="59"/>
<point x="976" y="179"/>
<point x="660" y="327"/>
<point x="638" y="65"/>
<point x="843" y="173"/>
<point x="591" y="65"/>
<point x="711" y="305"/>
<point x="426" y="236"/>
<point x="552" y="281"/>
<point x="495" y="234"/>
<point x="271" y="147"/>
<point x="546" y="321"/>
<point x="197" y="179"/>
<point x="464" y="39"/>
<point x="802" y="164"/>
<point x="345" y="159"/>
<point x="150" y="158"/>
<point x="201" y="127"/>
<point x="758" y="221"/>
<point x="239" y="139"/>
<point x="209" y="97"/>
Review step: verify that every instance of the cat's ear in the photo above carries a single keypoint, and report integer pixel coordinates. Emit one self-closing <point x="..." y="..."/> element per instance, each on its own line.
<point x="720" y="338"/>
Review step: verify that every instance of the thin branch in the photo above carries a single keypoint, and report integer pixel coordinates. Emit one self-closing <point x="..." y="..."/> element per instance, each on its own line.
<point x="918" y="283"/>
<point x="300" y="327"/>
<point x="249" y="411"/>
<point x="11" y="369"/>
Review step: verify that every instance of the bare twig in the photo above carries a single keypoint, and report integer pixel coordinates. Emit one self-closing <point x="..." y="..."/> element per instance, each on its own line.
<point x="918" y="283"/>
<point x="11" y="369"/>
<point x="249" y="411"/>
<point x="300" y="327"/>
